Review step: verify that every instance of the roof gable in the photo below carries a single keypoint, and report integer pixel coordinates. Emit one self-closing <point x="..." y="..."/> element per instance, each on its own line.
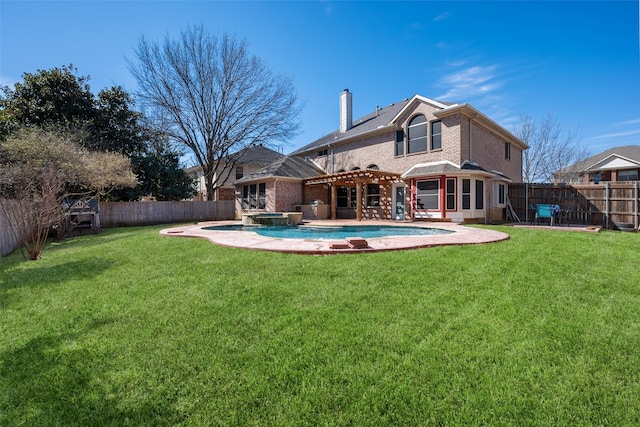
<point x="607" y="159"/>
<point x="615" y="162"/>
<point x="416" y="99"/>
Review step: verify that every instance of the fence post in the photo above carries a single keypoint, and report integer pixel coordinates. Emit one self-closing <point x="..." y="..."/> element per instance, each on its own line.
<point x="526" y="202"/>
<point x="635" y="205"/>
<point x="606" y="204"/>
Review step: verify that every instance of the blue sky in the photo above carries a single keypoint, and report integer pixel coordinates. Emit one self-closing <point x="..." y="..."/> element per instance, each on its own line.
<point x="578" y="60"/>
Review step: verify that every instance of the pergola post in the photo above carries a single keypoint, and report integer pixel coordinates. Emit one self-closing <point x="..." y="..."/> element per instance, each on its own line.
<point x="334" y="201"/>
<point x="384" y="200"/>
<point x="359" y="201"/>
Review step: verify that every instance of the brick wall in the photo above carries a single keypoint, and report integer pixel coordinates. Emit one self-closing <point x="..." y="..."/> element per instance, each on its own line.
<point x="289" y="195"/>
<point x="487" y="148"/>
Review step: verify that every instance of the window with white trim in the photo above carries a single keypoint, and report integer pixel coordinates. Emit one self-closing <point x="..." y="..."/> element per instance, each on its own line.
<point x="417" y="134"/>
<point x="466" y="194"/>
<point x="479" y="194"/>
<point x="346" y="197"/>
<point x="451" y="194"/>
<point x="428" y="194"/>
<point x="502" y="191"/>
<point x="373" y="195"/>
<point x="399" y="150"/>
<point x="436" y="135"/>
<point x="630" y="175"/>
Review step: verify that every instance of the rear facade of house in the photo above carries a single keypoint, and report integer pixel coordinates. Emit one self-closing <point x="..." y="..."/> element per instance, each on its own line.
<point x="415" y="159"/>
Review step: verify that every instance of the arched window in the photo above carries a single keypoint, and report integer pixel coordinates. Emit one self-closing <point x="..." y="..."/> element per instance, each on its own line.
<point x="355" y="168"/>
<point x="373" y="167"/>
<point x="417" y="134"/>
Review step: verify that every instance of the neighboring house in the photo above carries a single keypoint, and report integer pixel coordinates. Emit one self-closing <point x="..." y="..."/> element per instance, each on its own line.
<point x="252" y="160"/>
<point x="418" y="158"/>
<point x="615" y="164"/>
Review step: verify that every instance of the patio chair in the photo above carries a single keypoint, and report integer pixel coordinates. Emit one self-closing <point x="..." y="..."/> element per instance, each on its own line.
<point x="543" y="211"/>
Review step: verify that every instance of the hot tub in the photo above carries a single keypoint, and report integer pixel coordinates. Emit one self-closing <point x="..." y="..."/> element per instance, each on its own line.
<point x="272" y="218"/>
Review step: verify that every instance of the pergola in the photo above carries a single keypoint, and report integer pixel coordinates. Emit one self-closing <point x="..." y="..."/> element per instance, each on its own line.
<point x="357" y="179"/>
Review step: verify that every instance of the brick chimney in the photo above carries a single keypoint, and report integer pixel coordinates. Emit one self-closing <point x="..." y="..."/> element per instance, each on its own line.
<point x="346" y="111"/>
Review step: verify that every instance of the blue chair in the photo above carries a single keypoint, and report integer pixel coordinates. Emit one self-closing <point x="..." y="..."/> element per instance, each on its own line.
<point x="544" y="211"/>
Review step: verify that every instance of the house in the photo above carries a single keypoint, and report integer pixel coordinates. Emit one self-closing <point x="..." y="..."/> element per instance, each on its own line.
<point x="252" y="160"/>
<point x="278" y="187"/>
<point x="418" y="158"/>
<point x="615" y="164"/>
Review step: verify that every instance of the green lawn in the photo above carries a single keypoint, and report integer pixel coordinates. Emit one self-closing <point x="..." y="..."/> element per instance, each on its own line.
<point x="131" y="328"/>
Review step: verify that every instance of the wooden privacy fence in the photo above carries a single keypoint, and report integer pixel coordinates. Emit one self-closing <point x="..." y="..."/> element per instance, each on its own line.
<point x="610" y="204"/>
<point x="124" y="214"/>
<point x="8" y="240"/>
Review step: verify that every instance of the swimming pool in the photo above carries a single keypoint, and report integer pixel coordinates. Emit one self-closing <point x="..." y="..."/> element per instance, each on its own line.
<point x="330" y="233"/>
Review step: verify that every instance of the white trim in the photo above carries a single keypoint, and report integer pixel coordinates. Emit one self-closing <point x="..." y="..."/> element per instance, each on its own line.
<point x="603" y="164"/>
<point x="420" y="98"/>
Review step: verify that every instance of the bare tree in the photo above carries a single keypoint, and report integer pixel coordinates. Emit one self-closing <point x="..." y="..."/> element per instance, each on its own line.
<point x="38" y="169"/>
<point x="215" y="98"/>
<point x="550" y="148"/>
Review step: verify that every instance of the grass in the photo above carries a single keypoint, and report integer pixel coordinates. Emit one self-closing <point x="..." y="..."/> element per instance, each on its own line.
<point x="132" y="328"/>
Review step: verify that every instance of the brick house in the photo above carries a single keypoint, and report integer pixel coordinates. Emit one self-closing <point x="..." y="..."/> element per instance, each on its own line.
<point x="614" y="164"/>
<point x="418" y="158"/>
<point x="252" y="160"/>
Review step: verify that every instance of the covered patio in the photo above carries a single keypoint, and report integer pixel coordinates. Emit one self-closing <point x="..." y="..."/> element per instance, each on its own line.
<point x="360" y="180"/>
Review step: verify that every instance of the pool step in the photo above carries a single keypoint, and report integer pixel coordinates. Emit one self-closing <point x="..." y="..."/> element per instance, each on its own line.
<point x="357" y="242"/>
<point x="351" y="243"/>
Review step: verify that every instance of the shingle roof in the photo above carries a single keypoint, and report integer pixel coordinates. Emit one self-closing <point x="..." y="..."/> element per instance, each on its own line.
<point x="631" y="152"/>
<point x="259" y="156"/>
<point x="446" y="167"/>
<point x="363" y="125"/>
<point x="284" y="167"/>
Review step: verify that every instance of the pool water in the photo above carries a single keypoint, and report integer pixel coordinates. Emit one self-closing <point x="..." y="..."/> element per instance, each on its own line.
<point x="328" y="233"/>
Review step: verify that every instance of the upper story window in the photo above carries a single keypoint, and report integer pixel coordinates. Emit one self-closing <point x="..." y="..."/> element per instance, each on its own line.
<point x="417" y="134"/>
<point x="239" y="172"/>
<point x="323" y="152"/>
<point x="507" y="150"/>
<point x="373" y="167"/>
<point x="436" y="135"/>
<point x="399" y="143"/>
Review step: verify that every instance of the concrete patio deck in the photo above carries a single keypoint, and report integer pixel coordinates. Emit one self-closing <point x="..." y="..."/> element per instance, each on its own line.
<point x="249" y="240"/>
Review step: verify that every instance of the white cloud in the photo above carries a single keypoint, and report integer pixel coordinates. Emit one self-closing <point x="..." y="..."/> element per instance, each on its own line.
<point x="619" y="134"/>
<point x="471" y="82"/>
<point x="629" y="122"/>
<point x="442" y="17"/>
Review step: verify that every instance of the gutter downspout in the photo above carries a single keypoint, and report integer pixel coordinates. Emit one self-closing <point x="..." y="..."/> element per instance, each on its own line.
<point x="471" y="135"/>
<point x="330" y="147"/>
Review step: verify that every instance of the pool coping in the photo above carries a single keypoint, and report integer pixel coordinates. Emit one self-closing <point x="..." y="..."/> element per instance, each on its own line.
<point x="249" y="240"/>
